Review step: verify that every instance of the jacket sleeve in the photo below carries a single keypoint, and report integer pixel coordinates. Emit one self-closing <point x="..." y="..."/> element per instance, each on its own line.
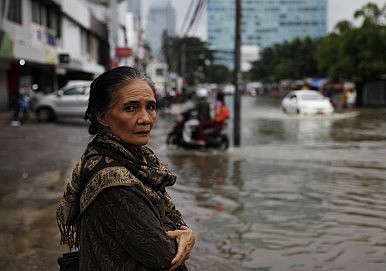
<point x="138" y="227"/>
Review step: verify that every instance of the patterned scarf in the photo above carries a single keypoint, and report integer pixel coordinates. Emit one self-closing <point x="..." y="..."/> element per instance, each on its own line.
<point x="97" y="169"/>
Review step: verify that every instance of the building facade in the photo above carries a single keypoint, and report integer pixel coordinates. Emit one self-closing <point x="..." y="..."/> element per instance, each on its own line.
<point x="161" y="19"/>
<point x="263" y="23"/>
<point x="44" y="43"/>
<point x="120" y="23"/>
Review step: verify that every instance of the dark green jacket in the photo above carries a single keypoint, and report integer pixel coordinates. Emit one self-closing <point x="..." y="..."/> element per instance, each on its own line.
<point x="123" y="230"/>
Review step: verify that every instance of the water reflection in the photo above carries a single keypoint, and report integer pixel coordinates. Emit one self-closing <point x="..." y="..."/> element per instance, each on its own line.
<point x="301" y="193"/>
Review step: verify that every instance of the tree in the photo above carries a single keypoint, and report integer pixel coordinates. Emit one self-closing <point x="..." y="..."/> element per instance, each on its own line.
<point x="355" y="53"/>
<point x="292" y="59"/>
<point x="188" y="56"/>
<point x="218" y="74"/>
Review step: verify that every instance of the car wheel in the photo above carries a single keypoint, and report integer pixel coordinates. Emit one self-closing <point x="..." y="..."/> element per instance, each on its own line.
<point x="44" y="114"/>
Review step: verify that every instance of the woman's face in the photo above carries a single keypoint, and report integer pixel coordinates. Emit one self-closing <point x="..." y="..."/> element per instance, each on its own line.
<point x="133" y="115"/>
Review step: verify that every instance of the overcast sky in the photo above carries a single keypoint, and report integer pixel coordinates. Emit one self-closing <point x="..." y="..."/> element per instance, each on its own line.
<point x="337" y="10"/>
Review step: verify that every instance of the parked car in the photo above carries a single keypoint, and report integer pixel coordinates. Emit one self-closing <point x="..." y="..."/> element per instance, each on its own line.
<point x="306" y="102"/>
<point x="68" y="102"/>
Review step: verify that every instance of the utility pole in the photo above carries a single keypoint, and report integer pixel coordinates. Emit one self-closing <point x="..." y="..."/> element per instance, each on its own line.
<point x="183" y="60"/>
<point x="237" y="77"/>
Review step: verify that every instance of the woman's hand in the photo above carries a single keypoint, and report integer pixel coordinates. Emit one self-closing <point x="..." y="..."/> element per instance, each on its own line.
<point x="185" y="240"/>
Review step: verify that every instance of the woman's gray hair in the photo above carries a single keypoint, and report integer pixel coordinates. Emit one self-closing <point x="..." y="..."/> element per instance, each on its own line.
<point x="104" y="92"/>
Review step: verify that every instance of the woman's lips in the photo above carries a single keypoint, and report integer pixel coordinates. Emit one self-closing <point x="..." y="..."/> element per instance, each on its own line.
<point x="142" y="133"/>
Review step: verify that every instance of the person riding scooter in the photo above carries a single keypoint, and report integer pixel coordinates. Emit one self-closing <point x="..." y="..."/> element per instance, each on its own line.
<point x="214" y="125"/>
<point x="185" y="131"/>
<point x="200" y="113"/>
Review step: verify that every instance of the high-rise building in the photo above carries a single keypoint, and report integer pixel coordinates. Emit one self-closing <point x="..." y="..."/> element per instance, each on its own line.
<point x="134" y="6"/>
<point x="161" y="19"/>
<point x="263" y="23"/>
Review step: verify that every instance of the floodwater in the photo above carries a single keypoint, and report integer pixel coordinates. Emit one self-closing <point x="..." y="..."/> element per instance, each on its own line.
<point x="300" y="193"/>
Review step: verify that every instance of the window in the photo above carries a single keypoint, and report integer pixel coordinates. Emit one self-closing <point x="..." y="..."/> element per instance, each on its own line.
<point x="52" y="19"/>
<point x="14" y="10"/>
<point x="37" y="13"/>
<point x="159" y="72"/>
<point x="46" y="16"/>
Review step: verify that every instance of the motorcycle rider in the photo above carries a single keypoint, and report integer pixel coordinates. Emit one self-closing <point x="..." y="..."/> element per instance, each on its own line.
<point x="200" y="113"/>
<point x="185" y="132"/>
<point x="202" y="106"/>
<point x="221" y="114"/>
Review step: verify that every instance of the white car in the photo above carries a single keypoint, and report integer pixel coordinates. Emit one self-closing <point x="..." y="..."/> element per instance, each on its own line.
<point x="306" y="102"/>
<point x="69" y="101"/>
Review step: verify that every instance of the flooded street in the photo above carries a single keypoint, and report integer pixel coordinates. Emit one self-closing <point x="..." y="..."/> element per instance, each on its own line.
<point x="301" y="193"/>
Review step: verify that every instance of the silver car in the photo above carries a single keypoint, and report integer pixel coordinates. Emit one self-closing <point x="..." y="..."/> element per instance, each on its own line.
<point x="68" y="102"/>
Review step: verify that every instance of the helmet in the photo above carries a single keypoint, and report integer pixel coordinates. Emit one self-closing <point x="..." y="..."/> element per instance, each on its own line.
<point x="202" y="92"/>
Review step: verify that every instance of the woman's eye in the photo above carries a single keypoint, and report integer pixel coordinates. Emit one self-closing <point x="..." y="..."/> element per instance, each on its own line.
<point x="151" y="106"/>
<point x="130" y="108"/>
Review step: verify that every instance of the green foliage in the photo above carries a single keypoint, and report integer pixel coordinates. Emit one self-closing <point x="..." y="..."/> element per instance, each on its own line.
<point x="218" y="74"/>
<point x="189" y="57"/>
<point x="355" y="53"/>
<point x="350" y="53"/>
<point x="287" y="60"/>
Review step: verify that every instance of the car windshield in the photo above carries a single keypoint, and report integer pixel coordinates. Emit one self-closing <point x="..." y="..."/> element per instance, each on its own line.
<point x="311" y="97"/>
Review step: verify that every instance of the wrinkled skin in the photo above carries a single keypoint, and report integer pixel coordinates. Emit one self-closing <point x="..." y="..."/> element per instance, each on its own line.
<point x="185" y="240"/>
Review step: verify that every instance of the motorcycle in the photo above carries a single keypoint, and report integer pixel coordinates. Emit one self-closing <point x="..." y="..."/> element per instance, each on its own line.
<point x="213" y="136"/>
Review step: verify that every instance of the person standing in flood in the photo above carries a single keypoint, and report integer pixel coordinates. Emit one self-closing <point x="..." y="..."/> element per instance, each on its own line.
<point x="115" y="207"/>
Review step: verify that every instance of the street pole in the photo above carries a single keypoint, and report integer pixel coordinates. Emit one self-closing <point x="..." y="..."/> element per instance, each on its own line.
<point x="183" y="60"/>
<point x="237" y="77"/>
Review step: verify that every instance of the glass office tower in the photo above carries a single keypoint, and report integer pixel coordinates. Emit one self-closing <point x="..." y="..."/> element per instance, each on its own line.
<point x="160" y="18"/>
<point x="263" y="23"/>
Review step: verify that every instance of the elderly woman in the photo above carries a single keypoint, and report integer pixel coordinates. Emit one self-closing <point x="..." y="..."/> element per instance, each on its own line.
<point x="115" y="206"/>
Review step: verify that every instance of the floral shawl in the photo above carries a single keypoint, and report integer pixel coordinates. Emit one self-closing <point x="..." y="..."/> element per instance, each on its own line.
<point x="106" y="162"/>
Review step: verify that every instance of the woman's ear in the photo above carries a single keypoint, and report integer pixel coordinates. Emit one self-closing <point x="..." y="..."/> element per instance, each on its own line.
<point x="102" y="119"/>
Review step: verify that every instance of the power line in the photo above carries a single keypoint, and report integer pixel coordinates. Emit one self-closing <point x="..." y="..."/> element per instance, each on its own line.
<point x="199" y="16"/>
<point x="187" y="15"/>
<point x="195" y="14"/>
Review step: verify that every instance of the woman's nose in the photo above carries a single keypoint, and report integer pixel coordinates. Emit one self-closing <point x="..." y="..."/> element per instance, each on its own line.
<point x="143" y="117"/>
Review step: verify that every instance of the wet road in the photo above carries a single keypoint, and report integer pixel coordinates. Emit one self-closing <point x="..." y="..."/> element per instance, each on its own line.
<point x="301" y="193"/>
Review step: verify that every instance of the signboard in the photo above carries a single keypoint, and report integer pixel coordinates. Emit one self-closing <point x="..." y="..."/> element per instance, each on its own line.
<point x="123" y="52"/>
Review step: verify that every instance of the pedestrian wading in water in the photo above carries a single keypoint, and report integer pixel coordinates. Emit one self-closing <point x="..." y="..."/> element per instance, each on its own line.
<point x="115" y="207"/>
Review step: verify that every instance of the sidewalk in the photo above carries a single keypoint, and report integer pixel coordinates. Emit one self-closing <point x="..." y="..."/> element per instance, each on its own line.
<point x="5" y="117"/>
